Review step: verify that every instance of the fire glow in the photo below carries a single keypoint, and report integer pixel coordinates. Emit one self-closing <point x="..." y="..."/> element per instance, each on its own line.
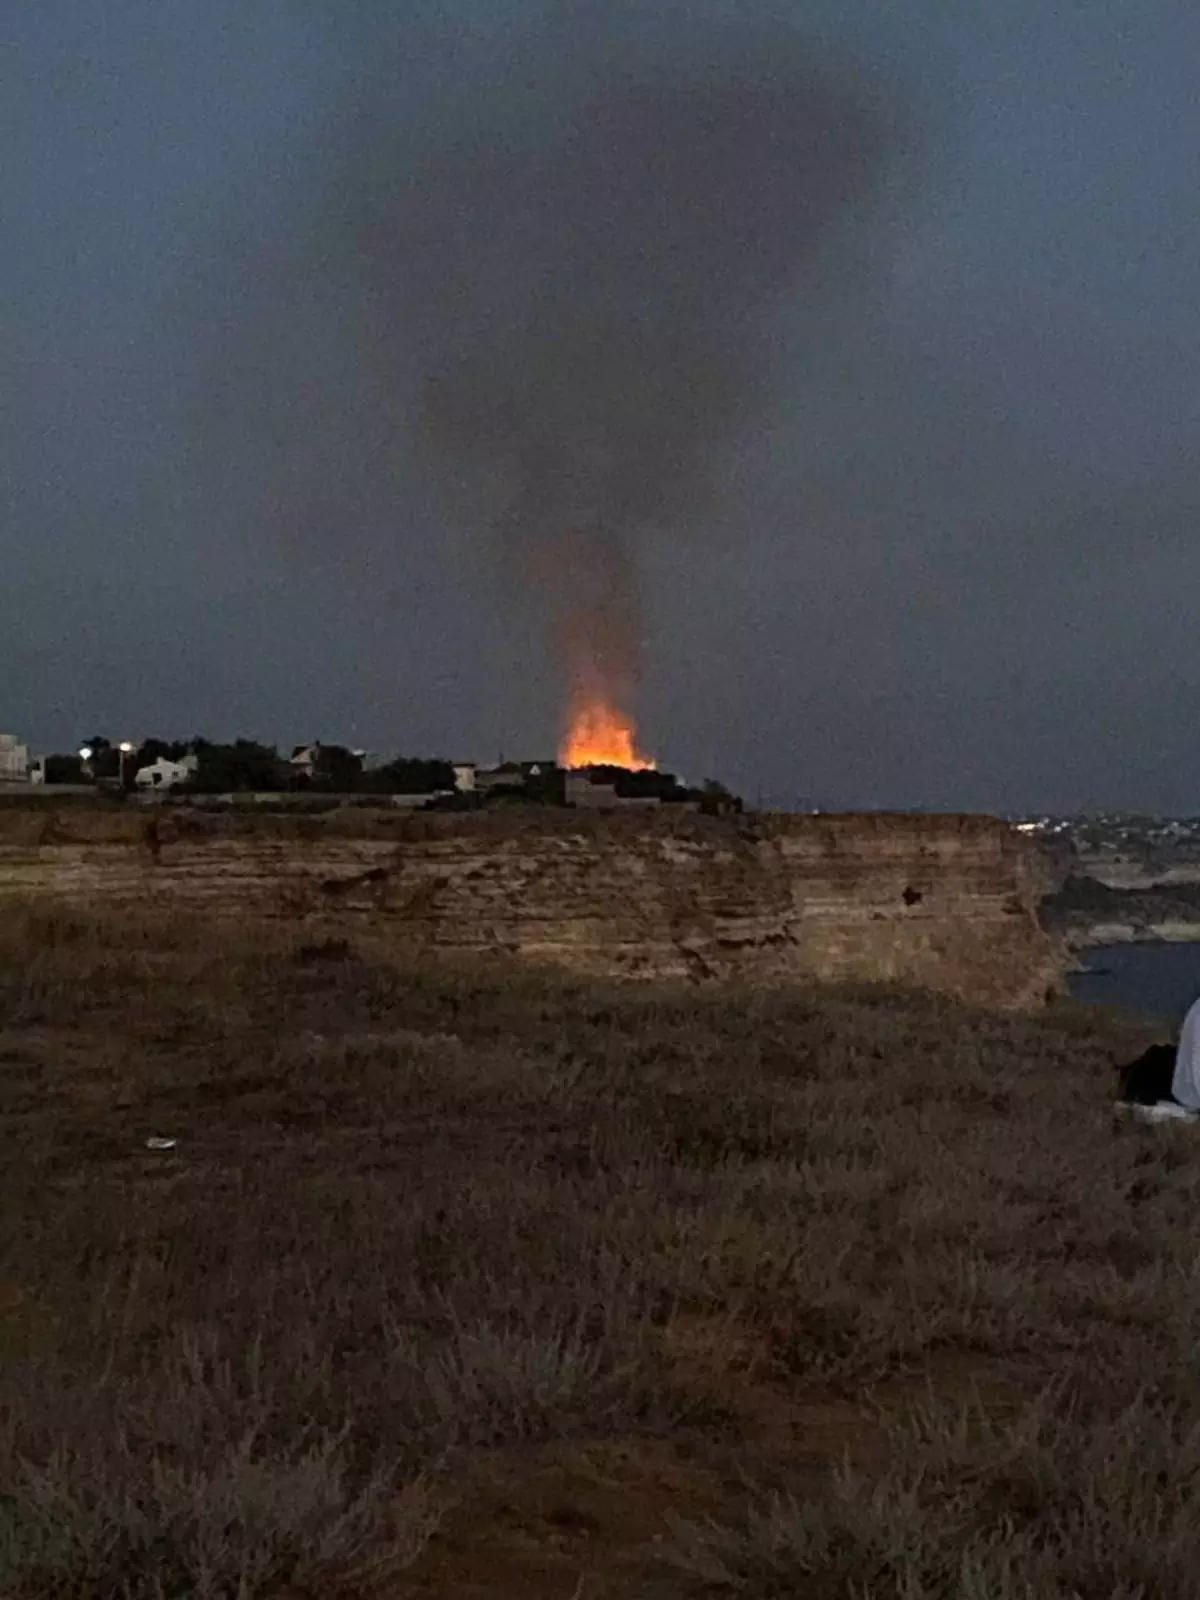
<point x="599" y="735"/>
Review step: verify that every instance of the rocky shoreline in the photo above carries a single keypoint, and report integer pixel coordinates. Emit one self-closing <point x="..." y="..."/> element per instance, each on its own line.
<point x="1085" y="912"/>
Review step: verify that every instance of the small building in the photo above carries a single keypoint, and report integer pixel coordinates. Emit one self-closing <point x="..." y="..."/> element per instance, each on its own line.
<point x="308" y="762"/>
<point x="464" y="776"/>
<point x="617" y="788"/>
<point x="14" y="759"/>
<point x="164" y="774"/>
<point x="514" y="775"/>
<point x="593" y="794"/>
<point x="508" y="775"/>
<point x="305" y="759"/>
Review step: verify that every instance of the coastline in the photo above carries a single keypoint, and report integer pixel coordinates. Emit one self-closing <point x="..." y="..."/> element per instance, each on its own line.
<point x="1109" y="933"/>
<point x="1085" y="911"/>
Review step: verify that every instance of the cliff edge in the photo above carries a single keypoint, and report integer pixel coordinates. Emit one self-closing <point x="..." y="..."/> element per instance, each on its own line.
<point x="941" y="902"/>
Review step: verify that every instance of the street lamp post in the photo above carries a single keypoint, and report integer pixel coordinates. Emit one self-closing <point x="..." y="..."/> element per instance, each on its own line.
<point x="125" y="748"/>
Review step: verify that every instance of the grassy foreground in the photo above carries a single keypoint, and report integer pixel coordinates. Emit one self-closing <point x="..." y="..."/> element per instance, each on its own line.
<point x="464" y="1286"/>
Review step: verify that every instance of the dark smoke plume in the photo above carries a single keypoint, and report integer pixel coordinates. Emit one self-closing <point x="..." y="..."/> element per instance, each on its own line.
<point x="572" y="259"/>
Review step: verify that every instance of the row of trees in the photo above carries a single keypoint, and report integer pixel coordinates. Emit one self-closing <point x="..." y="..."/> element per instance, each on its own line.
<point x="245" y="764"/>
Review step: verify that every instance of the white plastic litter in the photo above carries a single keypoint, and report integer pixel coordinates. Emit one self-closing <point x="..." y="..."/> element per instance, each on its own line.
<point x="161" y="1144"/>
<point x="1164" y="1111"/>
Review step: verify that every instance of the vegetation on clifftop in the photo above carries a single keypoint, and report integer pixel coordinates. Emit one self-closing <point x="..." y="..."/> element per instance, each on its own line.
<point x="464" y="1285"/>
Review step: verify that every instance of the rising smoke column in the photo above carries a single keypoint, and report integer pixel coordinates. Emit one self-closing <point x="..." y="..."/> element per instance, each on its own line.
<point x="572" y="260"/>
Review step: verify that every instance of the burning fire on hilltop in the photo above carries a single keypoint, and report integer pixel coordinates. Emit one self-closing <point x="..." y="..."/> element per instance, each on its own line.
<point x="588" y="573"/>
<point x="599" y="735"/>
<point x="580" y="313"/>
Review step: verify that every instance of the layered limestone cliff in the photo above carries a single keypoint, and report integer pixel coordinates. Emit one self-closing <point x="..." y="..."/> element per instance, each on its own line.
<point x="945" y="902"/>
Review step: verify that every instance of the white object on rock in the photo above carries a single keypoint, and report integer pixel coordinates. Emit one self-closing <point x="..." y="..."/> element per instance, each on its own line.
<point x="156" y="1143"/>
<point x="1163" y="1111"/>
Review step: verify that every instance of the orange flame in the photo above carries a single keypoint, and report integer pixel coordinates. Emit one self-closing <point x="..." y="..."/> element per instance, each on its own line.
<point x="598" y="735"/>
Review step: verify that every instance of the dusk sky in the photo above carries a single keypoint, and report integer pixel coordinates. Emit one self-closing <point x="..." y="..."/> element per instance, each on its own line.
<point x="943" y="546"/>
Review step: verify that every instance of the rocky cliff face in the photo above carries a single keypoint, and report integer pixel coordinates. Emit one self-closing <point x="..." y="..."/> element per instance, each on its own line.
<point x="946" y="902"/>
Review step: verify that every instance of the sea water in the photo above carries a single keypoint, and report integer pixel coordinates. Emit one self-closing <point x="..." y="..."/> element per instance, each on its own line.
<point x="1159" y="979"/>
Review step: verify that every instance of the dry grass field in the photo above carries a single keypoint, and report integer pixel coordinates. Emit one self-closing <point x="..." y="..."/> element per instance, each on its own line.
<point x="460" y="1285"/>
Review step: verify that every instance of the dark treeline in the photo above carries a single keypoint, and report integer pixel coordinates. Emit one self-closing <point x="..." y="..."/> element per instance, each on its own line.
<point x="247" y="764"/>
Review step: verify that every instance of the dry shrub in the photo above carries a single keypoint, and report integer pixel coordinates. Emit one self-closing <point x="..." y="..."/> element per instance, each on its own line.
<point x="238" y="1525"/>
<point x="416" y="1214"/>
<point x="1051" y="1504"/>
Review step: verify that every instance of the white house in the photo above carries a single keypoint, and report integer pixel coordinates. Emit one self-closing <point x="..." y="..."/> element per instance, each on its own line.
<point x="164" y="774"/>
<point x="14" y="759"/>
<point x="304" y="759"/>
